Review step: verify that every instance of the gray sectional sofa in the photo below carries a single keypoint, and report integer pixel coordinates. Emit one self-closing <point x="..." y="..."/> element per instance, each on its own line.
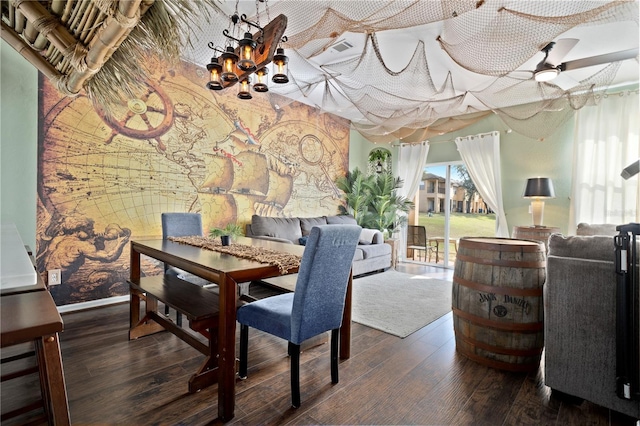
<point x="371" y="255"/>
<point x="579" y="320"/>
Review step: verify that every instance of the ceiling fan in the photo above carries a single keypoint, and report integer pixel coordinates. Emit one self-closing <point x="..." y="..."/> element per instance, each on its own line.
<point x="552" y="69"/>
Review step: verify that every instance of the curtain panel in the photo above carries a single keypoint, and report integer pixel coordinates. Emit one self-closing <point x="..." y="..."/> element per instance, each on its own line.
<point x="481" y="156"/>
<point x="411" y="163"/>
<point x="606" y="140"/>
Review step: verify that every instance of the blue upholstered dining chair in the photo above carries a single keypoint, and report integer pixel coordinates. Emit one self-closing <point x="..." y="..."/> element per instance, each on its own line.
<point x="316" y="305"/>
<point x="182" y="225"/>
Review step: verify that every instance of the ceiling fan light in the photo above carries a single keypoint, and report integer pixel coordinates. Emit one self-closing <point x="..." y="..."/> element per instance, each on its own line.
<point x="546" y="74"/>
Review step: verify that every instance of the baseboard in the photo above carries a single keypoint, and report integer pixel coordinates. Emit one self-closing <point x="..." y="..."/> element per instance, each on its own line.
<point x="92" y="304"/>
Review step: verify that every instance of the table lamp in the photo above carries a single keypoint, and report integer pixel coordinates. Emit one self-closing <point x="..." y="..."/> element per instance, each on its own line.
<point x="537" y="189"/>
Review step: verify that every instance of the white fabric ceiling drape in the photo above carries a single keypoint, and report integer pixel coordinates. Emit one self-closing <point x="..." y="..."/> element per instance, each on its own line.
<point x="481" y="156"/>
<point x="606" y="141"/>
<point x="411" y="162"/>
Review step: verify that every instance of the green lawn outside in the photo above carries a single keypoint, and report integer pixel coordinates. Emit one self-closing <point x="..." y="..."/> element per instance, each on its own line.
<point x="462" y="225"/>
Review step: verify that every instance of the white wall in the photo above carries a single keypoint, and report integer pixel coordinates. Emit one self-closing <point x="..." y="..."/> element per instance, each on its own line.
<point x="18" y="142"/>
<point x="359" y="149"/>
<point x="521" y="158"/>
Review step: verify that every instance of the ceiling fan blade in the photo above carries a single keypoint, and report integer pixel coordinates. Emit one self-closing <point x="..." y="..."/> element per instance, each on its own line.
<point x="600" y="59"/>
<point x="521" y="74"/>
<point x="565" y="81"/>
<point x="560" y="50"/>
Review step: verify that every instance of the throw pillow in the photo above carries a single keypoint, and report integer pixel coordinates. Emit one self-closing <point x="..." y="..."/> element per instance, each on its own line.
<point x="306" y="223"/>
<point x="303" y="241"/>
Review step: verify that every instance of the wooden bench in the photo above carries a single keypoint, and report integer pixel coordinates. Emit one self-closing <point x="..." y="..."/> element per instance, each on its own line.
<point x="197" y="304"/>
<point x="282" y="283"/>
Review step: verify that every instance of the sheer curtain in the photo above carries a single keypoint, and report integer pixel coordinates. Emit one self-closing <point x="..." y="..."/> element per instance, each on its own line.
<point x="481" y="156"/>
<point x="605" y="142"/>
<point x="411" y="162"/>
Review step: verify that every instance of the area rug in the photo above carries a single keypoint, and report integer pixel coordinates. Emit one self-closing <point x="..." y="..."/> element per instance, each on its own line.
<point x="399" y="303"/>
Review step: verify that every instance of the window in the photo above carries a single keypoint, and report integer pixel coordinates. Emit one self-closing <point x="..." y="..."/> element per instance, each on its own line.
<point x="606" y="141"/>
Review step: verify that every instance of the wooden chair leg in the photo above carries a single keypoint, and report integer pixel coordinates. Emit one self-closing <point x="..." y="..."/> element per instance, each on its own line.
<point x="244" y="351"/>
<point x="335" y="339"/>
<point x="52" y="377"/>
<point x="294" y="351"/>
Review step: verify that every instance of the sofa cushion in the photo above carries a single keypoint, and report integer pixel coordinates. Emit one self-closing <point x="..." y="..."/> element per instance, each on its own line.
<point x="343" y="219"/>
<point x="596" y="247"/>
<point x="306" y="223"/>
<point x="280" y="227"/>
<point x="596" y="229"/>
<point x="375" y="250"/>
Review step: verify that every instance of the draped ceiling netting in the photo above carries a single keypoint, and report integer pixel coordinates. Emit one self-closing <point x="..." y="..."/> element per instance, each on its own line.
<point x="477" y="50"/>
<point x="406" y="104"/>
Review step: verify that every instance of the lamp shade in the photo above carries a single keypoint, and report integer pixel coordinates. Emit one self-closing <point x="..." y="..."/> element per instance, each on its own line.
<point x="539" y="187"/>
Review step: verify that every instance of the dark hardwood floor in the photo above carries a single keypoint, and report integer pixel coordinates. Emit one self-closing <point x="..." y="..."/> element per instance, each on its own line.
<point x="388" y="380"/>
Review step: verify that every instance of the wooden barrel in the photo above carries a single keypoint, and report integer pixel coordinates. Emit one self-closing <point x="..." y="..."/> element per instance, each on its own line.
<point x="497" y="302"/>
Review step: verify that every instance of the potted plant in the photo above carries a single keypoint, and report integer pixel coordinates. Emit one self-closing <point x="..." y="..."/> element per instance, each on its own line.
<point x="231" y="231"/>
<point x="380" y="161"/>
<point x="374" y="201"/>
<point x="388" y="210"/>
<point x="379" y="154"/>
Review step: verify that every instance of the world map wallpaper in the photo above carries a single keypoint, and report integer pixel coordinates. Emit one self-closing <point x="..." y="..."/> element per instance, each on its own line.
<point x="104" y="179"/>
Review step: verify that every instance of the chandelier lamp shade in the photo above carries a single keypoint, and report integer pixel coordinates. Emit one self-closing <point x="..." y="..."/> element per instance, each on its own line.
<point x="280" y="62"/>
<point x="244" y="61"/>
<point x="538" y="189"/>
<point x="229" y="61"/>
<point x="215" y="71"/>
<point x="247" y="45"/>
<point x="261" y="80"/>
<point x="243" y="88"/>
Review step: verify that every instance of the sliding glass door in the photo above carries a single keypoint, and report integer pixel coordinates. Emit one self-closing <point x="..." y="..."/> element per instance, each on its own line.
<point x="449" y="207"/>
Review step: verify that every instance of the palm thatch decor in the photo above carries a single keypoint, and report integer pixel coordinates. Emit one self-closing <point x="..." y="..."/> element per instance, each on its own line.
<point x="101" y="46"/>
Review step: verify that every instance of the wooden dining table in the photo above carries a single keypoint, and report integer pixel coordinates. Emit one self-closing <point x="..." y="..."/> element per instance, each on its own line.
<point x="227" y="271"/>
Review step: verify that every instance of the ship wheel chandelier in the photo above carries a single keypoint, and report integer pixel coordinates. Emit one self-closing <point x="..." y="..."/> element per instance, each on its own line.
<point x="244" y="61"/>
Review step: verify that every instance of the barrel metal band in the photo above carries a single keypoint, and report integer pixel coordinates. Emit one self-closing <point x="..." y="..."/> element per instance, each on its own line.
<point x="511" y="291"/>
<point x="500" y="350"/>
<point x="484" y="245"/>
<point x="505" y="326"/>
<point x="498" y="364"/>
<point x="501" y="262"/>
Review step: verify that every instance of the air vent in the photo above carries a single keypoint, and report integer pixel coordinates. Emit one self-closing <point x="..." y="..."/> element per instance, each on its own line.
<point x="341" y="46"/>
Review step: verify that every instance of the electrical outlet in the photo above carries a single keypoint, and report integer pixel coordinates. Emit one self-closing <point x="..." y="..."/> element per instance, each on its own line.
<point x="54" y="276"/>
